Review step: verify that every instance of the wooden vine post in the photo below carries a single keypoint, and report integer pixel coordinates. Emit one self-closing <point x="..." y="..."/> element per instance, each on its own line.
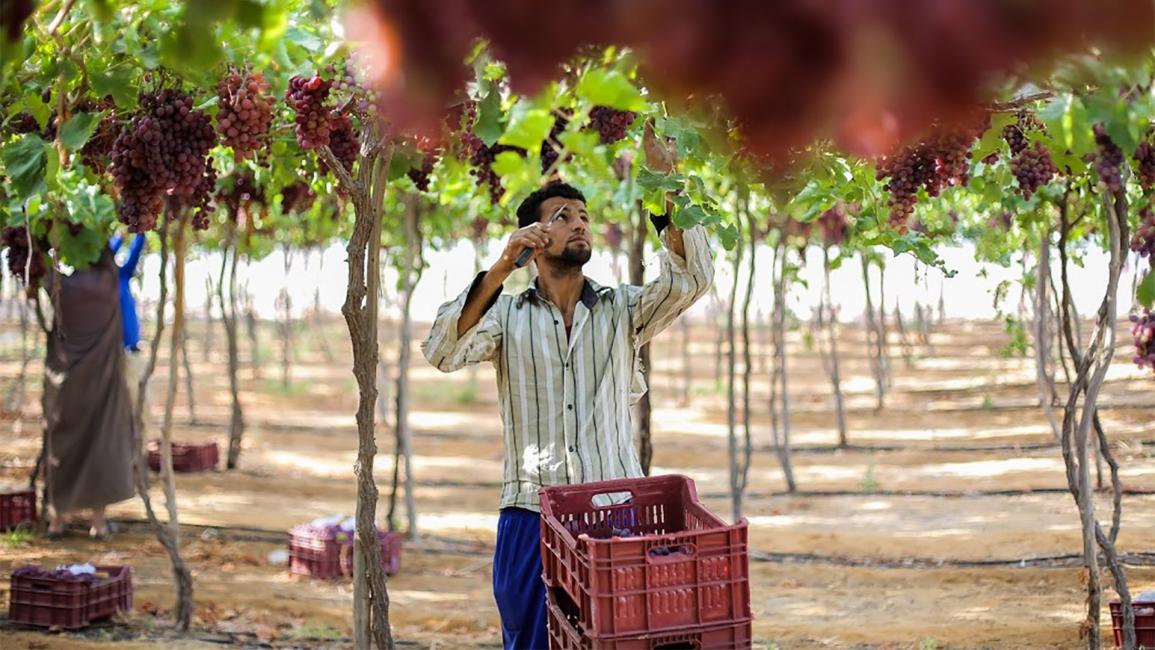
<point x="367" y="190"/>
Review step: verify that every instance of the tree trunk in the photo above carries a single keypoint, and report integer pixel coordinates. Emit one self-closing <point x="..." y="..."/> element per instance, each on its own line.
<point x="903" y="337"/>
<point x="411" y="275"/>
<point x="643" y="410"/>
<point x="883" y="337"/>
<point x="1092" y="365"/>
<point x="873" y="339"/>
<point x="370" y="594"/>
<point x="719" y="333"/>
<point x="747" y="361"/>
<point x="251" y="332"/>
<point x="228" y="277"/>
<point x="286" y="325"/>
<point x="731" y="390"/>
<point x="779" y="402"/>
<point x="208" y="334"/>
<point x="687" y="361"/>
<point x="827" y="306"/>
<point x="1042" y="332"/>
<point x="191" y="404"/>
<point x="168" y="536"/>
<point x="318" y="313"/>
<point x="14" y="402"/>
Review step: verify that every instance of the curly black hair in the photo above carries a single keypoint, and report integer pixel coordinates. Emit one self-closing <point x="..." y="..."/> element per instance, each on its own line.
<point x="529" y="211"/>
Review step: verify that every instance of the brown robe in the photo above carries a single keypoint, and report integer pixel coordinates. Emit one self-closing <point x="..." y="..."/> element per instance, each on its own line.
<point x="87" y="414"/>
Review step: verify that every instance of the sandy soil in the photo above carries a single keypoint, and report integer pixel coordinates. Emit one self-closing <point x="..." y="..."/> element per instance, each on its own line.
<point x="877" y="550"/>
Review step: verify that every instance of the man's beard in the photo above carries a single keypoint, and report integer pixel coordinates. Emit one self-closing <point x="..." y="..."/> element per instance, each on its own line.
<point x="574" y="257"/>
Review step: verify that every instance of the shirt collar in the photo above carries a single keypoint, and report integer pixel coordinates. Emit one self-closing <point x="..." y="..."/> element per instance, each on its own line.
<point x="591" y="293"/>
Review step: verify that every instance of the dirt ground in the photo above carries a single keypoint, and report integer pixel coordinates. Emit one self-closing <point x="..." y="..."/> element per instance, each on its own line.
<point x="944" y="525"/>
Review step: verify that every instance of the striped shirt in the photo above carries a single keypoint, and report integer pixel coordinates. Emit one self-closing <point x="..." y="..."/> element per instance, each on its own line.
<point x="565" y="400"/>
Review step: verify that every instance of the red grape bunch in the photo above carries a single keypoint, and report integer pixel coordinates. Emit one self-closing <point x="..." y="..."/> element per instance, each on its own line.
<point x="610" y="123"/>
<point x="834" y="226"/>
<point x="420" y="175"/>
<point x="1143" y="241"/>
<point x="95" y="153"/>
<point x="1145" y="159"/>
<point x="1143" y="330"/>
<point x="307" y="97"/>
<point x="23" y="259"/>
<point x="1033" y="168"/>
<point x="614" y="236"/>
<point x="1109" y="161"/>
<point x="549" y="146"/>
<point x="297" y="197"/>
<point x="482" y="161"/>
<point x="162" y="151"/>
<point x="940" y="161"/>
<point x="343" y="142"/>
<point x="201" y="198"/>
<point x="246" y="112"/>
<point x="1016" y="133"/>
<point x="347" y="82"/>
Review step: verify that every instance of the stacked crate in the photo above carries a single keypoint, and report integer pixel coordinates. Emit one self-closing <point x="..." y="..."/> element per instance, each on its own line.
<point x="186" y="457"/>
<point x="17" y="507"/>
<point x="641" y="563"/>
<point x="53" y="601"/>
<point x="328" y="553"/>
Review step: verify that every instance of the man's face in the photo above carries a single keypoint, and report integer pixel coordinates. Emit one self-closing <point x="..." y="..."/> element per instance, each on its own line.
<point x="570" y="241"/>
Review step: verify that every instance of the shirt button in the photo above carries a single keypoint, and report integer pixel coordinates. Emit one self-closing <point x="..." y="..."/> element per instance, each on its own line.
<point x="555" y="322"/>
<point x="571" y="449"/>
<point x="569" y="406"/>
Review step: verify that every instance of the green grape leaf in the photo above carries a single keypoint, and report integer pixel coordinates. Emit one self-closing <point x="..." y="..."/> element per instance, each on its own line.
<point x="489" y="126"/>
<point x="582" y="144"/>
<point x="26" y="162"/>
<point x="610" y="88"/>
<point x="34" y="106"/>
<point x="1146" y="290"/>
<point x="992" y="140"/>
<point x="78" y="129"/>
<point x="728" y="235"/>
<point x="528" y="126"/>
<point x="652" y="181"/>
<point x="115" y="81"/>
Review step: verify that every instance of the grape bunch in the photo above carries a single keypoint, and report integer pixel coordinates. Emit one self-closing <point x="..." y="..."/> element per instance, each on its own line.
<point x="420" y="175"/>
<point x="834" y="226"/>
<point x="1015" y="133"/>
<point x="1145" y="159"/>
<point x="95" y="153"/>
<point x="991" y="158"/>
<point x="610" y="123"/>
<point x="1143" y="330"/>
<point x="163" y="151"/>
<point x="1109" y="161"/>
<point x="297" y="197"/>
<point x="549" y="146"/>
<point x="940" y="160"/>
<point x="307" y="97"/>
<point x="22" y="123"/>
<point x="24" y="261"/>
<point x="346" y="81"/>
<point x="13" y="13"/>
<point x="343" y="142"/>
<point x="246" y="112"/>
<point x="1143" y="241"/>
<point x="1033" y="168"/>
<point x="200" y="201"/>
<point x="482" y="161"/>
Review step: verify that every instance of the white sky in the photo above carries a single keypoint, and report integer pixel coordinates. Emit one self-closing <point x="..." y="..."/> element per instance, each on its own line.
<point x="968" y="295"/>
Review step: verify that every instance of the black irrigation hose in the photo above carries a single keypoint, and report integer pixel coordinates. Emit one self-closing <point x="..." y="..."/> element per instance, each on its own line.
<point x="938" y="494"/>
<point x="1045" y="561"/>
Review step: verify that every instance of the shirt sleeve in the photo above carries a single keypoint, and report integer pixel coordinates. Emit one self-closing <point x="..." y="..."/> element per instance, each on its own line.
<point x="447" y="351"/>
<point x="681" y="282"/>
<point x="114" y="243"/>
<point x="129" y="268"/>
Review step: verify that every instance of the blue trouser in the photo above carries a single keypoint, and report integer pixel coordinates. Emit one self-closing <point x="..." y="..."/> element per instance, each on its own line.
<point x="517" y="585"/>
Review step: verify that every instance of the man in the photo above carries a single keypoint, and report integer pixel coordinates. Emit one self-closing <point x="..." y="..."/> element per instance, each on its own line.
<point x="565" y="352"/>
<point x="130" y="321"/>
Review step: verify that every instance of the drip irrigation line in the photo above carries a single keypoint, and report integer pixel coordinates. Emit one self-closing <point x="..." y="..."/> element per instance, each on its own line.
<point x="1043" y="561"/>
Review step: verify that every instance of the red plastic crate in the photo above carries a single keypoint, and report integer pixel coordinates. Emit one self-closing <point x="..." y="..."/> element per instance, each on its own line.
<point x="621" y="585"/>
<point x="321" y="556"/>
<point x="16" y="508"/>
<point x="1144" y="623"/>
<point x="565" y="633"/>
<point x="50" y="602"/>
<point x="187" y="458"/>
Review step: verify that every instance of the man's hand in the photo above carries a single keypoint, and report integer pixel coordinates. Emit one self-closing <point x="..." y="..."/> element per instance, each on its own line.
<point x="660" y="156"/>
<point x="534" y="237"/>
